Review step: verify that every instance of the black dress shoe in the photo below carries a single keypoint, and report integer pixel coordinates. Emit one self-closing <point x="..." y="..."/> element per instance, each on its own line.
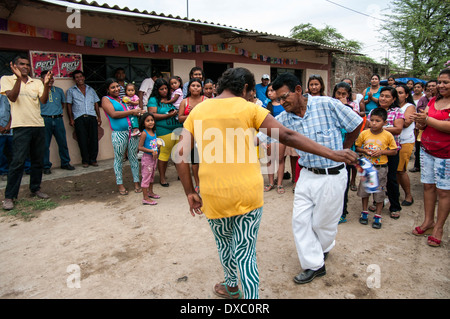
<point x="68" y="167"/>
<point x="308" y="275"/>
<point x="47" y="171"/>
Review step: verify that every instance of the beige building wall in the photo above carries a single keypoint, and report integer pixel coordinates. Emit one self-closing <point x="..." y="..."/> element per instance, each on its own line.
<point x="105" y="144"/>
<point x="182" y="68"/>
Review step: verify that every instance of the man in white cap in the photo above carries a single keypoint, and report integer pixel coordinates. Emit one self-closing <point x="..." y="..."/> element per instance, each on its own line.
<point x="261" y="89"/>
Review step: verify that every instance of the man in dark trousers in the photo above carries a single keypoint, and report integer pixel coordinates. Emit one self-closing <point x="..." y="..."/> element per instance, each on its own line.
<point x="25" y="95"/>
<point x="84" y="116"/>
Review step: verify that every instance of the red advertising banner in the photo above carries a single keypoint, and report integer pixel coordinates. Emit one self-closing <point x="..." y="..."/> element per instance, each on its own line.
<point x="44" y="61"/>
<point x="69" y="62"/>
<point x="62" y="64"/>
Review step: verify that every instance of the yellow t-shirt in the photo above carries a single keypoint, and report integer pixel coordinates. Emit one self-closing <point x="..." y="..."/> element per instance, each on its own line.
<point x="26" y="110"/>
<point x="382" y="141"/>
<point x="231" y="182"/>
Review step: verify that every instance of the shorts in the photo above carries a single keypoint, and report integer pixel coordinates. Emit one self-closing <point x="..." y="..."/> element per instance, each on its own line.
<point x="404" y="156"/>
<point x="434" y="170"/>
<point x="379" y="196"/>
<point x="170" y="140"/>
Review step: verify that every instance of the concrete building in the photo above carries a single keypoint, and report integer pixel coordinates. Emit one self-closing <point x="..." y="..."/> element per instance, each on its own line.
<point x="141" y="42"/>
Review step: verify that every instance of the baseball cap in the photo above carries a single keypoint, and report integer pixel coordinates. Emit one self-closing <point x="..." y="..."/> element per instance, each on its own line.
<point x="266" y="76"/>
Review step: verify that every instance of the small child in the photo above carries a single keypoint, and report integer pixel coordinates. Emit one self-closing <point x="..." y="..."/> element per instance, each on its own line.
<point x="376" y="144"/>
<point x="176" y="92"/>
<point x="149" y="145"/>
<point x="132" y="102"/>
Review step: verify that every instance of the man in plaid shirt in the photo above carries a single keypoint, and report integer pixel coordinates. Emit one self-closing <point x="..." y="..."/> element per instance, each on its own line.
<point x="319" y="193"/>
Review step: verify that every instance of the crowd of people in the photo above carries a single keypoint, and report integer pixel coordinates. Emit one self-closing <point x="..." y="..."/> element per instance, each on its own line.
<point x="321" y="134"/>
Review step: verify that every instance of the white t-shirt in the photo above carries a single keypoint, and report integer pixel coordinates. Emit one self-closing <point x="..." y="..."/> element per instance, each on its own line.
<point x="146" y="87"/>
<point x="407" y="134"/>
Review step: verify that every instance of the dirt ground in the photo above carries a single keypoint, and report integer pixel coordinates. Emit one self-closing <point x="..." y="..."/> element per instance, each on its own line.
<point x="118" y="248"/>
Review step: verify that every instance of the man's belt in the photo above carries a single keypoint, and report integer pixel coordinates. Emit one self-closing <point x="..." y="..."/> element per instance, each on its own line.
<point x="326" y="171"/>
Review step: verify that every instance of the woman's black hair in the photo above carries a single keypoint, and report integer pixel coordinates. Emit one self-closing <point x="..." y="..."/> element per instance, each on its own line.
<point x="157" y="86"/>
<point x="234" y="80"/>
<point x="318" y="78"/>
<point x="142" y="121"/>
<point x="393" y="93"/>
<point x="196" y="68"/>
<point x="346" y="86"/>
<point x="189" y="85"/>
<point x="409" y="98"/>
<point x="377" y="75"/>
<point x="267" y="90"/>
<point x="444" y="71"/>
<point x="108" y="82"/>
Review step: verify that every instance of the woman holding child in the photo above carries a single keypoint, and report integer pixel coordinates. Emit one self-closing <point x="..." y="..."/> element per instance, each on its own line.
<point x="120" y="119"/>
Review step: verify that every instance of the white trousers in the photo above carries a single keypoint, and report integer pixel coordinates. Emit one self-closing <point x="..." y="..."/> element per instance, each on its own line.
<point x="318" y="204"/>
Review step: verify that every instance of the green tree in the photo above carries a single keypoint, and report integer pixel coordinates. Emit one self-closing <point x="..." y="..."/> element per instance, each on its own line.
<point x="327" y="35"/>
<point x="419" y="29"/>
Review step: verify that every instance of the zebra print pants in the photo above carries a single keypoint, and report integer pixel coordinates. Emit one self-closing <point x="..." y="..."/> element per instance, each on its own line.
<point x="121" y="141"/>
<point x="236" y="240"/>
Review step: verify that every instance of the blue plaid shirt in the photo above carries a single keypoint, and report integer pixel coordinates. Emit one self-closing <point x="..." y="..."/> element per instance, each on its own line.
<point x="82" y="104"/>
<point x="322" y="123"/>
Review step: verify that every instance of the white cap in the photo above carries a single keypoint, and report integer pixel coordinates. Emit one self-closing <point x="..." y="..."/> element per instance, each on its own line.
<point x="266" y="76"/>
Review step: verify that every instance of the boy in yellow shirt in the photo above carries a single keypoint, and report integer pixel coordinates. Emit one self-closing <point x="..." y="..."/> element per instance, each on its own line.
<point x="376" y="144"/>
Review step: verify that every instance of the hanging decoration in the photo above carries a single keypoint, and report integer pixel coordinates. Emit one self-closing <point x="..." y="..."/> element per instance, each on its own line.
<point x="86" y="41"/>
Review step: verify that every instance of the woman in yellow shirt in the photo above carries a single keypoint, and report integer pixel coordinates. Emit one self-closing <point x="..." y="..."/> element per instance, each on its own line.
<point x="224" y="129"/>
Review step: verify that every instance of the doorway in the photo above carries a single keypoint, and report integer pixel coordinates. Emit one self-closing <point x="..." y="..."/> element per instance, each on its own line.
<point x="214" y="70"/>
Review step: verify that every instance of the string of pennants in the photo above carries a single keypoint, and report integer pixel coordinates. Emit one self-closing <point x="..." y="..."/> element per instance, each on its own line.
<point x="85" y="41"/>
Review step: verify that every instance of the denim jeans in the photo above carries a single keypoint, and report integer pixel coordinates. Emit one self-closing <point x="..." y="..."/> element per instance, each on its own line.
<point x="27" y="141"/>
<point x="55" y="127"/>
<point x="5" y="147"/>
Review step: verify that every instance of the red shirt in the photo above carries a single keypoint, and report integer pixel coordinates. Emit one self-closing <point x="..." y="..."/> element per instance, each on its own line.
<point x="435" y="142"/>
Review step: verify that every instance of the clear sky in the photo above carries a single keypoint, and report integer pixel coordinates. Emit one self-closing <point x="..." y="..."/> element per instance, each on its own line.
<point x="360" y="20"/>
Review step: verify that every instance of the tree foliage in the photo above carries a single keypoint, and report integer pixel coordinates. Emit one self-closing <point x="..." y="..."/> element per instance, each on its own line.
<point x="420" y="30"/>
<point x="327" y="35"/>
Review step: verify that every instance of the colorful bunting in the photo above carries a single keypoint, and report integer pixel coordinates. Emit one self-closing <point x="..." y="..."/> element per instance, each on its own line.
<point x="79" y="40"/>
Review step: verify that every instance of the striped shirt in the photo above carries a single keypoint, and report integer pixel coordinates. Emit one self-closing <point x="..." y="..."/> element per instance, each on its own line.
<point x="323" y="120"/>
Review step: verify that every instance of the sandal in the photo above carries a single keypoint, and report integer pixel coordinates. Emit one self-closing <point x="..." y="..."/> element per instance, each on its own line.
<point x="155" y="196"/>
<point x="229" y="294"/>
<point x="280" y="189"/>
<point x="395" y="215"/>
<point x="138" y="190"/>
<point x="123" y="192"/>
<point x="148" y="202"/>
<point x="419" y="231"/>
<point x="433" y="242"/>
<point x="269" y="187"/>
<point x="353" y="187"/>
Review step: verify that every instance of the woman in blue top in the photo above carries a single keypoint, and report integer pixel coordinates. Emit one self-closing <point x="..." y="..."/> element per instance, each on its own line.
<point x="120" y="121"/>
<point x="371" y="95"/>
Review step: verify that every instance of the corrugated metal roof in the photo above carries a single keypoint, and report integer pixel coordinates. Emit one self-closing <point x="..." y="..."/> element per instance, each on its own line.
<point x="232" y="31"/>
